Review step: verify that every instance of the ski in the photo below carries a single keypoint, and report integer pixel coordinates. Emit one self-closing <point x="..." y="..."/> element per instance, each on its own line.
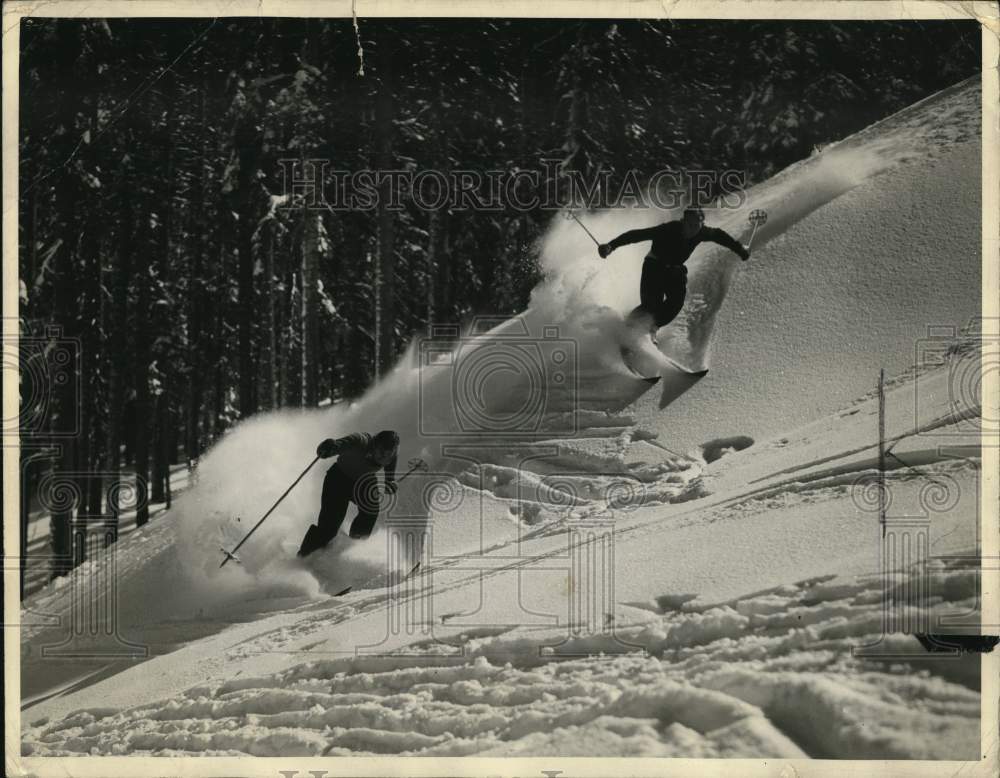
<point x="350" y="588"/>
<point x="628" y="359"/>
<point x="632" y="358"/>
<point x="683" y="369"/>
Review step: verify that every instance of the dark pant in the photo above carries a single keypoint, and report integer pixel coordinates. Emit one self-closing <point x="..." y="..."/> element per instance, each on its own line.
<point x="338" y="493"/>
<point x="662" y="290"/>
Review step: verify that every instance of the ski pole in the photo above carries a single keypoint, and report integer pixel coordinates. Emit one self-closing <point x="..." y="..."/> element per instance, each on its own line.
<point x="571" y="214"/>
<point x="232" y="554"/>
<point x="757" y="218"/>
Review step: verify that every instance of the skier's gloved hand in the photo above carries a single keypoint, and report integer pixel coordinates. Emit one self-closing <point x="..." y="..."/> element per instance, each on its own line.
<point x="326" y="449"/>
<point x="746" y="253"/>
<point x="604" y="249"/>
<point x="390" y="487"/>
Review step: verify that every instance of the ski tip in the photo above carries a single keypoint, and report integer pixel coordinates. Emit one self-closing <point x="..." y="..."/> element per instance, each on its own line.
<point x="342" y="592"/>
<point x="686" y="370"/>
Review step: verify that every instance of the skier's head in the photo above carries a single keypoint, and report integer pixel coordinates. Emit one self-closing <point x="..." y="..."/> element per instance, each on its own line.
<point x="693" y="220"/>
<point x="384" y="446"/>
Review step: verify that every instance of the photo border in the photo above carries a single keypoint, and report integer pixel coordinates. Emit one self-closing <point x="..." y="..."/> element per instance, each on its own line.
<point x="984" y="12"/>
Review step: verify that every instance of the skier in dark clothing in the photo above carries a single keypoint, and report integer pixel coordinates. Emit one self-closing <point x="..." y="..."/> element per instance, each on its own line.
<point x="664" y="276"/>
<point x="352" y="478"/>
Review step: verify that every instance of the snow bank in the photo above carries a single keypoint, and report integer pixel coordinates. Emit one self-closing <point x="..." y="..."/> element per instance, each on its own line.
<point x="767" y="675"/>
<point x="840" y="284"/>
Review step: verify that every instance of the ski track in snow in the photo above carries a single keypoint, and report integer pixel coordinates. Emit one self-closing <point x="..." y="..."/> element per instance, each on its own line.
<point x="767" y="675"/>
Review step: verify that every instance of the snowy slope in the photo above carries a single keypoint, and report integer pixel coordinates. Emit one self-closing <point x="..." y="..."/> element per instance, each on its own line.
<point x="837" y="287"/>
<point x="715" y="648"/>
<point x="734" y="590"/>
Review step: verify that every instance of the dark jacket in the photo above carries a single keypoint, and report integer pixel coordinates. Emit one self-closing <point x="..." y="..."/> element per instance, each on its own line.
<point x="354" y="457"/>
<point x="671" y="247"/>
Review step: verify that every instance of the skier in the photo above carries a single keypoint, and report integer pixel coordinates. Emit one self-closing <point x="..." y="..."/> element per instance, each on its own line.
<point x="352" y="478"/>
<point x="664" y="276"/>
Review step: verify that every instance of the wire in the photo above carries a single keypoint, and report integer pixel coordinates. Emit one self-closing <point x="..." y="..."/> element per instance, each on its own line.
<point x="123" y="106"/>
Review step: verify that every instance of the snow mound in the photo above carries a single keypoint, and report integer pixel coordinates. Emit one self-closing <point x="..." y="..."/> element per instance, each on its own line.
<point x="766" y="675"/>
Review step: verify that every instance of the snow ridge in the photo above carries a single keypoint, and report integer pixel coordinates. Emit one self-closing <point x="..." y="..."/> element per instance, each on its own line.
<point x="767" y="675"/>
